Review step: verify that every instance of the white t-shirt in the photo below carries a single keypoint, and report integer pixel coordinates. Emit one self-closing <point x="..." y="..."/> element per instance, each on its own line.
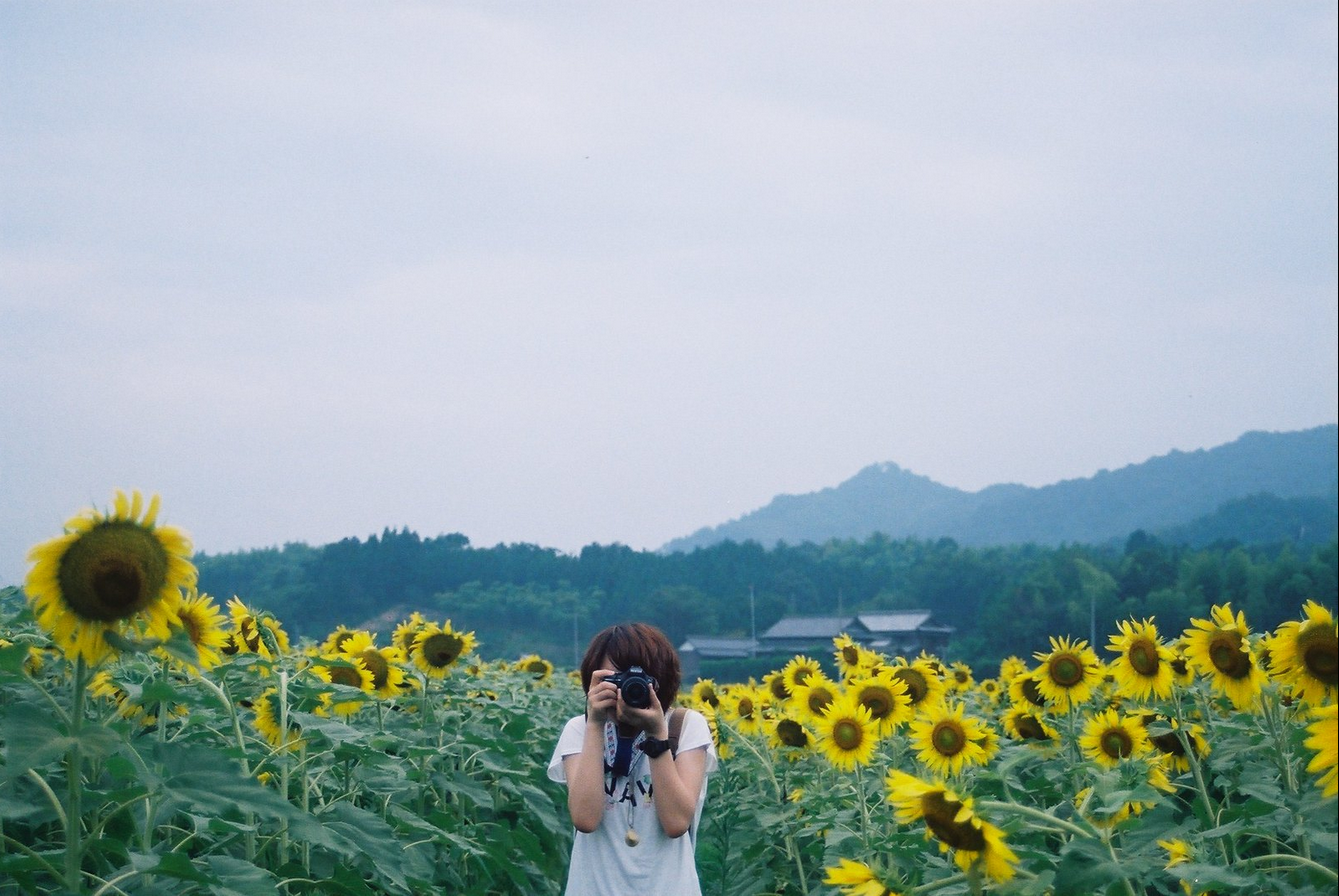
<point x="602" y="862"/>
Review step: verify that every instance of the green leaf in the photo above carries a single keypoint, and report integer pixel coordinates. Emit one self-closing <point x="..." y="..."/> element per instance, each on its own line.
<point x="366" y="833"/>
<point x="238" y="877"/>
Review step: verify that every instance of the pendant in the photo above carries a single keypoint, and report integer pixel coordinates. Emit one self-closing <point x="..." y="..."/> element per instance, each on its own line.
<point x="631" y="838"/>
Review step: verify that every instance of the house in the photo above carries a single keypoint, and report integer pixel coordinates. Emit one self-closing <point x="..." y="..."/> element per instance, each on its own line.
<point x="895" y="633"/>
<point x="710" y="647"/>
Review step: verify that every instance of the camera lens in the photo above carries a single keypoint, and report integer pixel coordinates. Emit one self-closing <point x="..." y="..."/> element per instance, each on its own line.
<point x="636" y="694"/>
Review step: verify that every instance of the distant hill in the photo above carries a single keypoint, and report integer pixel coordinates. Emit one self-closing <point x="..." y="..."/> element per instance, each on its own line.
<point x="1159" y="495"/>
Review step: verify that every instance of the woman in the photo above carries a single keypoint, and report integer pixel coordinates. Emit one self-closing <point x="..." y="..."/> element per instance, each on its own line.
<point x="635" y="796"/>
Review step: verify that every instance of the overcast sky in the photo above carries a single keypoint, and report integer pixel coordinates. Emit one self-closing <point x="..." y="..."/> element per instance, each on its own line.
<point x="565" y="273"/>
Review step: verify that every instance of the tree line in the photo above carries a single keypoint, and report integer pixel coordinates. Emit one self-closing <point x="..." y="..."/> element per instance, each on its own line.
<point x="522" y="598"/>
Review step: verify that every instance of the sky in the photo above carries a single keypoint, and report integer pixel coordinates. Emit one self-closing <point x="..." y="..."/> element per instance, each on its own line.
<point x="573" y="273"/>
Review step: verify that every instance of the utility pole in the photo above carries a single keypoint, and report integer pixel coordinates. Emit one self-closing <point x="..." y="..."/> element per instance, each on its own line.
<point x="576" y="644"/>
<point x="753" y="618"/>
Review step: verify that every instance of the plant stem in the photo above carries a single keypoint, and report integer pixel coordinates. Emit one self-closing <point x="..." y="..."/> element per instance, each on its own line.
<point x="74" y="771"/>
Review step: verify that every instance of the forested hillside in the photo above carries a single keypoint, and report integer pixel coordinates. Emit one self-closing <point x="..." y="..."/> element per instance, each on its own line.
<point x="1002" y="600"/>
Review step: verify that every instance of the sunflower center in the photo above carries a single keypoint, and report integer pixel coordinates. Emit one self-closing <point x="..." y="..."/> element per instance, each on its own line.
<point x="377" y="665"/>
<point x="819" y="698"/>
<point x="1143" y="657"/>
<point x="850" y="655"/>
<point x="230" y="646"/>
<point x="1169" y="743"/>
<point x="345" y="675"/>
<point x="878" y="701"/>
<point x="948" y="738"/>
<point x="940" y="813"/>
<point x="745" y="708"/>
<point x="1117" y="743"/>
<point x="194" y="629"/>
<point x="337" y="642"/>
<point x="113" y="571"/>
<point x="1179" y="667"/>
<point x="779" y="688"/>
<point x="1031" y="693"/>
<point x="1066" y="670"/>
<point x="791" y="733"/>
<point x="1227" y="656"/>
<point x="1318" y="648"/>
<point x="1030" y="728"/>
<point x="848" y="735"/>
<point x="441" y="649"/>
<point x="917" y="686"/>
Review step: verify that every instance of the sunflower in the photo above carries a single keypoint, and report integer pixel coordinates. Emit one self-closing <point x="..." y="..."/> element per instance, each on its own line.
<point x="777" y="689"/>
<point x="853" y="658"/>
<point x="808" y="700"/>
<point x="847" y="733"/>
<point x="1304" y="655"/>
<point x="535" y="666"/>
<point x="1108" y="738"/>
<point x="856" y="879"/>
<point x="335" y="640"/>
<point x="339" y="669"/>
<point x="1068" y="673"/>
<point x="924" y="686"/>
<point x="1010" y="668"/>
<point x="704" y="693"/>
<point x="266" y="719"/>
<point x="789" y="735"/>
<point x="951" y="820"/>
<point x="436" y="648"/>
<point x="1324" y="740"/>
<point x="797" y="672"/>
<point x="258" y="633"/>
<point x="945" y="740"/>
<point x="885" y="696"/>
<point x="1220" y="649"/>
<point x="1025" y="692"/>
<point x="959" y="677"/>
<point x="743" y="707"/>
<point x="203" y="623"/>
<point x="1143" y="665"/>
<point x="990" y="690"/>
<point x="383" y="662"/>
<point x="1108" y="816"/>
<point x="407" y="632"/>
<point x="1169" y="744"/>
<point x="1023" y="723"/>
<point x="1179" y="852"/>
<point x="112" y="571"/>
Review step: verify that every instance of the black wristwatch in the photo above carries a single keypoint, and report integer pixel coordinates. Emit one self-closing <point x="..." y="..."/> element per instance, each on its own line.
<point x="653" y="748"/>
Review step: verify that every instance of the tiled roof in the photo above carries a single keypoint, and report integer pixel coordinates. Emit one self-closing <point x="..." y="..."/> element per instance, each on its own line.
<point x="813" y="627"/>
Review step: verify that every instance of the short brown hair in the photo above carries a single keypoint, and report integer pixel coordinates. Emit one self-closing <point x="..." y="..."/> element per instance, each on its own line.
<point x="635" y="644"/>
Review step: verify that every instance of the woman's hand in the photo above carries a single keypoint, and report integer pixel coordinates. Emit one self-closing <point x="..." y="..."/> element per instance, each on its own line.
<point x="651" y="719"/>
<point x="602" y="700"/>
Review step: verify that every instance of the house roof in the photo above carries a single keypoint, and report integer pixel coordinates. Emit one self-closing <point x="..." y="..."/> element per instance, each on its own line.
<point x="898" y="622"/>
<point x="708" y="645"/>
<point x="814" y="627"/>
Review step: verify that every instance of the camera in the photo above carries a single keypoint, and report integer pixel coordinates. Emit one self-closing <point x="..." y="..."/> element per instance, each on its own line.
<point x="635" y="686"/>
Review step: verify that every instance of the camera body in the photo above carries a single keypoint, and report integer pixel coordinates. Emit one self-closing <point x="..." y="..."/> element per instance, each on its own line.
<point x="635" y="686"/>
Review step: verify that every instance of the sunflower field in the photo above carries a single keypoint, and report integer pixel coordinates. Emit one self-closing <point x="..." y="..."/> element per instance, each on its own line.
<point x="155" y="742"/>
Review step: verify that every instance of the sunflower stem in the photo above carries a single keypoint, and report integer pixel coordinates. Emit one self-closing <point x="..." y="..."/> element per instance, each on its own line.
<point x="283" y="761"/>
<point x="248" y="817"/>
<point x="1296" y="861"/>
<point x="74" y="772"/>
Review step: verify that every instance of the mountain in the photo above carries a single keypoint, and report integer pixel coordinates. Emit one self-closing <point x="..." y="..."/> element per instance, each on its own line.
<point x="1160" y="494"/>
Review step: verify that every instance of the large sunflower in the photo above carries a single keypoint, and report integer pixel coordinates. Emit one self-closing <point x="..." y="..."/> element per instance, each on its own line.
<point x="266" y="719"/>
<point x="1109" y="738"/>
<point x="885" y="696"/>
<point x="1324" y="740"/>
<point x="340" y="669"/>
<point x="1024" y="691"/>
<point x="335" y="640"/>
<point x="1304" y="655"/>
<point x="436" y="648"/>
<point x="705" y="693"/>
<point x="856" y="879"/>
<point x="951" y="820"/>
<point x="847" y="733"/>
<point x="1143" y="664"/>
<point x="258" y="633"/>
<point x="946" y="741"/>
<point x="112" y="571"/>
<point x="789" y="735"/>
<point x="1220" y="649"/>
<point x="407" y="632"/>
<point x="1068" y="674"/>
